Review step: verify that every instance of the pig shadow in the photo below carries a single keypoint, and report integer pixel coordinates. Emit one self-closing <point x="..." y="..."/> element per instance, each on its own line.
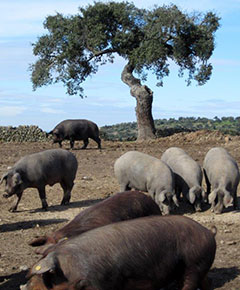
<point x="79" y="148"/>
<point x="13" y="281"/>
<point x="74" y="204"/>
<point x="28" y="224"/>
<point x="220" y="276"/>
<point x="186" y="208"/>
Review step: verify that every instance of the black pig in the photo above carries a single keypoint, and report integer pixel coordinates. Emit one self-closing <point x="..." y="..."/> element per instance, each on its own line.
<point x="76" y="130"/>
<point x="145" y="253"/>
<point x="38" y="170"/>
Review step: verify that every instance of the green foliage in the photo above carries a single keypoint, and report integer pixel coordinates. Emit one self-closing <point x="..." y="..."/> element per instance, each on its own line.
<point x="164" y="127"/>
<point x="75" y="46"/>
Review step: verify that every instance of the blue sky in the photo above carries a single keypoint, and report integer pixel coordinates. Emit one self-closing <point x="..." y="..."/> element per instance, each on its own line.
<point x="108" y="99"/>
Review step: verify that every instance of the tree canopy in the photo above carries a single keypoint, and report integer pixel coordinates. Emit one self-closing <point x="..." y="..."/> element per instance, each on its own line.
<point x="75" y="46"/>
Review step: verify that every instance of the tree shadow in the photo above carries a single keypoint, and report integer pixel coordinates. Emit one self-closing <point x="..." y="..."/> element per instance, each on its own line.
<point x="220" y="276"/>
<point x="75" y="204"/>
<point x="29" y="224"/>
<point x="13" y="281"/>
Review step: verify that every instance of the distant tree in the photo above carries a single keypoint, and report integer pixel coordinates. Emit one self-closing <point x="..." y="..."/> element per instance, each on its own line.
<point x="75" y="46"/>
<point x="216" y="119"/>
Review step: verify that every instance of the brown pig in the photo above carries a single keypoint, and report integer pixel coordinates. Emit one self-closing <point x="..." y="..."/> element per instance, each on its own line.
<point x="146" y="253"/>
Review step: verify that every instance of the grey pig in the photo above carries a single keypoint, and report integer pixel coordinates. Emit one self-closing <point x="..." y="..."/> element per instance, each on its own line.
<point x="222" y="173"/>
<point x="38" y="170"/>
<point x="188" y="175"/>
<point x="144" y="172"/>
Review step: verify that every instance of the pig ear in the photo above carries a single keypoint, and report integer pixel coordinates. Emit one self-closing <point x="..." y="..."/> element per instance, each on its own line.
<point x="192" y="196"/>
<point x="212" y="196"/>
<point x="162" y="197"/>
<point x="175" y="200"/>
<point x="44" y="265"/>
<point x="17" y="178"/>
<point x="4" y="177"/>
<point x="227" y="200"/>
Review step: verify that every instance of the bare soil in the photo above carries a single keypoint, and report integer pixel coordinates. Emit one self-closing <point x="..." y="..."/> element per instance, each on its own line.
<point x="95" y="181"/>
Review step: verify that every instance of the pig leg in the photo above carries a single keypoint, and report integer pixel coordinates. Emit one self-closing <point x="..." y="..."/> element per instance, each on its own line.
<point x="178" y="191"/>
<point x="36" y="282"/>
<point x="185" y="191"/>
<point x="98" y="141"/>
<point x="124" y="187"/>
<point x="218" y="207"/>
<point x="85" y="141"/>
<point x="60" y="144"/>
<point x="16" y="202"/>
<point x="42" y="195"/>
<point x="71" y="143"/>
<point x="190" y="281"/>
<point x="66" y="192"/>
<point x="235" y="201"/>
<point x="207" y="182"/>
<point x="206" y="284"/>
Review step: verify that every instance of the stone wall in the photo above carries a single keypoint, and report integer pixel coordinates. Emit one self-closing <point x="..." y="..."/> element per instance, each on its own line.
<point x="22" y="134"/>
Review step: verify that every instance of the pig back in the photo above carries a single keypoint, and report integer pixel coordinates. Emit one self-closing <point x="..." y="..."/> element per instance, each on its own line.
<point x="183" y="166"/>
<point x="220" y="167"/>
<point x="121" y="206"/>
<point x="142" y="171"/>
<point x="78" y="129"/>
<point x="47" y="167"/>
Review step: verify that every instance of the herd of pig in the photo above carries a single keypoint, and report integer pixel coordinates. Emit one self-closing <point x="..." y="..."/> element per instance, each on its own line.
<point x="129" y="241"/>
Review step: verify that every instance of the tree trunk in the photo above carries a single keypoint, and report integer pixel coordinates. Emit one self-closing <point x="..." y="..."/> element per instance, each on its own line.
<point x="144" y="98"/>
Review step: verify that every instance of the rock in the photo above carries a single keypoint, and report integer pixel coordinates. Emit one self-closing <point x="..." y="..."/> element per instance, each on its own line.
<point x="231" y="243"/>
<point x="87" y="178"/>
<point x="22" y="134"/>
<point x="23" y="268"/>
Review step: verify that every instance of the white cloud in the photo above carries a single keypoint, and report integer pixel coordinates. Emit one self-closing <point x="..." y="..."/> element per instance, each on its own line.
<point x="226" y="62"/>
<point x="51" y="111"/>
<point x="12" y="111"/>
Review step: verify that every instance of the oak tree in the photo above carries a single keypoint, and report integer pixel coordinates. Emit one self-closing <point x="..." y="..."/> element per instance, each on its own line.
<point x="76" y="46"/>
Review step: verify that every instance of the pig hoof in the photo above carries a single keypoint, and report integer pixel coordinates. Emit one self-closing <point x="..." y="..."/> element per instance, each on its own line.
<point x="198" y="209"/>
<point x="12" y="209"/>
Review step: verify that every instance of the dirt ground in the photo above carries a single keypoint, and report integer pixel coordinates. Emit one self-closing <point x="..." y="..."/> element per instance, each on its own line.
<point x="94" y="182"/>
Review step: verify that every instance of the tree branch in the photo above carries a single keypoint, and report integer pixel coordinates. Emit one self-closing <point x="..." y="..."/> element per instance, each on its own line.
<point x="100" y="53"/>
<point x="127" y="76"/>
